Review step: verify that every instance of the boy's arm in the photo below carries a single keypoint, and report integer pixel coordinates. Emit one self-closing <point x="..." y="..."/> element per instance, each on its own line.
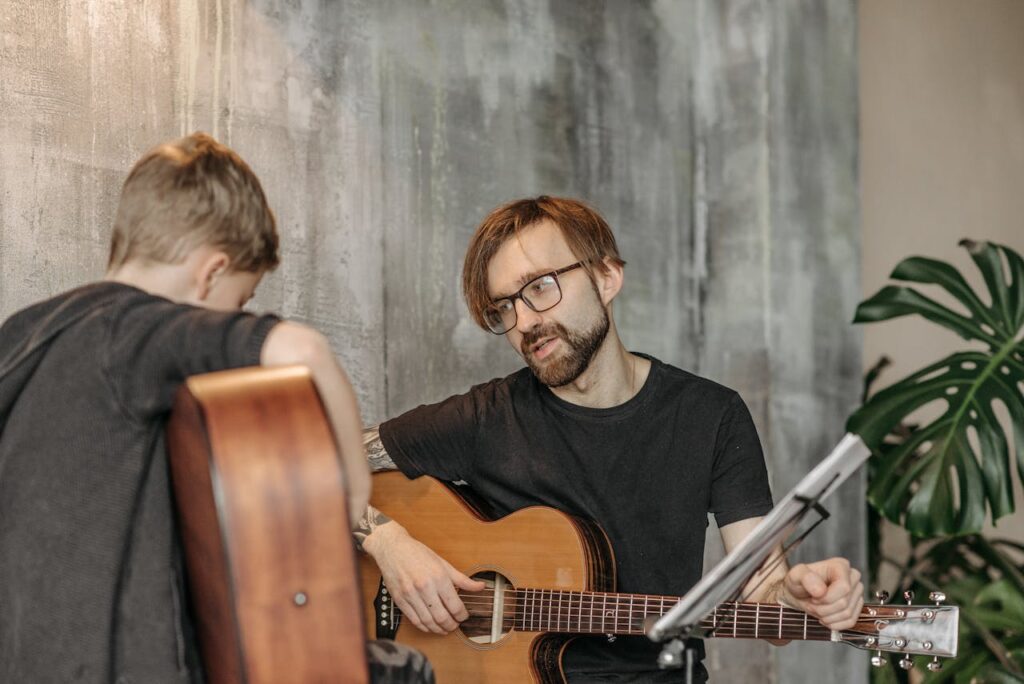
<point x="422" y="584"/>
<point x="293" y="343"/>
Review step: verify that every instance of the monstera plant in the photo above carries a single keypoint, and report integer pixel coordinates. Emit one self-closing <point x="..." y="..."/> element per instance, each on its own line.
<point x="914" y="483"/>
<point x="939" y="477"/>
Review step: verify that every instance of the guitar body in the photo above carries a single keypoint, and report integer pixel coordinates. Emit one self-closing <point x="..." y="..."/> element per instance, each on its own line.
<point x="551" y="576"/>
<point x="261" y="509"/>
<point x="534" y="547"/>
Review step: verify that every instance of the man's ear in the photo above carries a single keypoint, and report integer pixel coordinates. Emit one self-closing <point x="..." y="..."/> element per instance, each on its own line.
<point x="608" y="278"/>
<point x="210" y="268"/>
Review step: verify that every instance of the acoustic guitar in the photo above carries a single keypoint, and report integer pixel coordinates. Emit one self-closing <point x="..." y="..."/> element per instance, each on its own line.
<point x="550" y="577"/>
<point x="268" y="546"/>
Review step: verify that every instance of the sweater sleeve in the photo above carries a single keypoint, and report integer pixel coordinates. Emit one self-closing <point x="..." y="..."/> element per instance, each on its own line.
<point x="155" y="344"/>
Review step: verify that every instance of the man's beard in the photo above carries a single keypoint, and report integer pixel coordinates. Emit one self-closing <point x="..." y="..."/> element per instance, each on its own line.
<point x="580" y="349"/>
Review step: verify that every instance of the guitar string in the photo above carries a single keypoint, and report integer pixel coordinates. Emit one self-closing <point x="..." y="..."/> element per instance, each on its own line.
<point x="623" y="623"/>
<point x="541" y="609"/>
<point x="566" y="594"/>
<point x="743" y="633"/>
<point x="768" y="611"/>
<point x="766" y="622"/>
<point x="766" y="614"/>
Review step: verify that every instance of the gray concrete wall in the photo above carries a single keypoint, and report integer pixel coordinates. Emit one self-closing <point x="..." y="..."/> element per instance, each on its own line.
<point x="718" y="138"/>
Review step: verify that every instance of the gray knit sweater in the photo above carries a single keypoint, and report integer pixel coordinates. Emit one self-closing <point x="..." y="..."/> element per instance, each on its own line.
<point x="90" y="569"/>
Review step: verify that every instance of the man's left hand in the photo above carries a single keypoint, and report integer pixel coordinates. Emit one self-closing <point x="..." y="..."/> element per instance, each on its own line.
<point x="829" y="590"/>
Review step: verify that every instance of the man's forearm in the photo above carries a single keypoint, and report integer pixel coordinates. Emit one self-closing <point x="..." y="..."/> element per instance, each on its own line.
<point x="370" y="521"/>
<point x="379" y="461"/>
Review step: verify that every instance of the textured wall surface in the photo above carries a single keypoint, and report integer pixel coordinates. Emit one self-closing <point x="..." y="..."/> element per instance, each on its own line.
<point x="718" y="138"/>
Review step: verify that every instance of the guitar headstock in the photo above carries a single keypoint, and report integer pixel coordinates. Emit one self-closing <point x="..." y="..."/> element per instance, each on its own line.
<point x="906" y="629"/>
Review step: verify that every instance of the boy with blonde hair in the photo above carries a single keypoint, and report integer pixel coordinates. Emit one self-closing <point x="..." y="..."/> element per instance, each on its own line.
<point x="91" y="583"/>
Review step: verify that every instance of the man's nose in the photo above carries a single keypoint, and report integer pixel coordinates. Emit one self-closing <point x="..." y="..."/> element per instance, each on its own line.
<point x="526" y="318"/>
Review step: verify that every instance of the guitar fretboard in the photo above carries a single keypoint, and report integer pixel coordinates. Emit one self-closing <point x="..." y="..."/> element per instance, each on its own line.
<point x="574" y="612"/>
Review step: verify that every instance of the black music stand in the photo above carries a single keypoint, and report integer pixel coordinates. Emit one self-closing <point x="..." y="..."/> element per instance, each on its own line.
<point x="726" y="580"/>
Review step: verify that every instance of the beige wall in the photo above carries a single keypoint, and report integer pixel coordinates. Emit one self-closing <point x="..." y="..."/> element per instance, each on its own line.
<point x="942" y="152"/>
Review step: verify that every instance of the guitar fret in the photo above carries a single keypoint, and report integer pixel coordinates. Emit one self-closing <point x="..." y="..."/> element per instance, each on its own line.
<point x="592" y="602"/>
<point x="558" y="611"/>
<point x="535" y="617"/>
<point x="629" y="618"/>
<point x="644" y="612"/>
<point x="568" y="610"/>
<point x="553" y="610"/>
<point x="569" y="619"/>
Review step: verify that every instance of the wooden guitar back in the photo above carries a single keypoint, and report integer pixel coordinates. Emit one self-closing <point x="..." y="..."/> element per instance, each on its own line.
<point x="261" y="506"/>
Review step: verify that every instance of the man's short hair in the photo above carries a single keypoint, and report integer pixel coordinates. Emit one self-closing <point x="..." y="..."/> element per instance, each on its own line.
<point x="192" y="192"/>
<point x="587" y="234"/>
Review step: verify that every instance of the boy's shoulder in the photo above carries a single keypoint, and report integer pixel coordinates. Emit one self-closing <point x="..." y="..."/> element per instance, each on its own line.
<point x="49" y="316"/>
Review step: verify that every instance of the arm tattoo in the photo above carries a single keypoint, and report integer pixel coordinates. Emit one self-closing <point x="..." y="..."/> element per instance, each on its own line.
<point x="379" y="460"/>
<point x="375" y="452"/>
<point x="367" y="524"/>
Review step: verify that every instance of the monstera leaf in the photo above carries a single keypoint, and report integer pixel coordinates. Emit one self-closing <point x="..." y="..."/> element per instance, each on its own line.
<point x="939" y="479"/>
<point x="985" y="579"/>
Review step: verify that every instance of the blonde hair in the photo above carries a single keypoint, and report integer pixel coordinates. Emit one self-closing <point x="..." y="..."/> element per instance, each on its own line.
<point x="191" y="192"/>
<point x="587" y="234"/>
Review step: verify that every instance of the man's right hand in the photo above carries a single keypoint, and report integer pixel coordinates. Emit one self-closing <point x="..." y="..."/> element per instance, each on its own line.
<point x="422" y="584"/>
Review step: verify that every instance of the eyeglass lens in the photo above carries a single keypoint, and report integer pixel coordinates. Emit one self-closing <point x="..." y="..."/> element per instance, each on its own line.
<point x="540" y="294"/>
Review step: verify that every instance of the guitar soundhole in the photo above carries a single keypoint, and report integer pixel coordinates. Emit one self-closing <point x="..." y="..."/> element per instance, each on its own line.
<point x="490" y="610"/>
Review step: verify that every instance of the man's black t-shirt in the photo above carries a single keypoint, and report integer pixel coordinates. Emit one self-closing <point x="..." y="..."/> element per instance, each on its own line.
<point x="648" y="472"/>
<point x="90" y="581"/>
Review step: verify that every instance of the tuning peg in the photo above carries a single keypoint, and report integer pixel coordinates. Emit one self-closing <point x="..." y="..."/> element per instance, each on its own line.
<point x="937" y="596"/>
<point x="878" y="661"/>
<point x="882" y="596"/>
<point x="935" y="665"/>
<point x="906" y="663"/>
<point x="908" y="596"/>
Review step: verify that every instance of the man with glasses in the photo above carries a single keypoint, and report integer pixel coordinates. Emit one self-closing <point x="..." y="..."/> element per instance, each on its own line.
<point x="644" y="449"/>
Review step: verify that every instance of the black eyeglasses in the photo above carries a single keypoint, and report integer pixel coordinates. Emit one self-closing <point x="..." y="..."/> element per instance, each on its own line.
<point x="540" y="294"/>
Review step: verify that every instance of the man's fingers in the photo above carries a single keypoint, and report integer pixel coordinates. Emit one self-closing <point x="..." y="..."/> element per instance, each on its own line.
<point x="843" y="619"/>
<point x="442" y="617"/>
<point x="453" y="604"/>
<point x="808" y="581"/>
<point x="844" y="612"/>
<point x="410" y="613"/>
<point x="462" y="581"/>
<point x="432" y="613"/>
<point x="838" y="592"/>
<point x="843" y="590"/>
<point x="452" y="601"/>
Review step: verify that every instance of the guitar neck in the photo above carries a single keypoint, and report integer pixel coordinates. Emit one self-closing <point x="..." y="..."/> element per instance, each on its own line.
<point x="547" y="610"/>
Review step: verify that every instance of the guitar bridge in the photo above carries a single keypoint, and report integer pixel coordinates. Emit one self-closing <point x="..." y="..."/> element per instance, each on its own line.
<point x="387" y="616"/>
